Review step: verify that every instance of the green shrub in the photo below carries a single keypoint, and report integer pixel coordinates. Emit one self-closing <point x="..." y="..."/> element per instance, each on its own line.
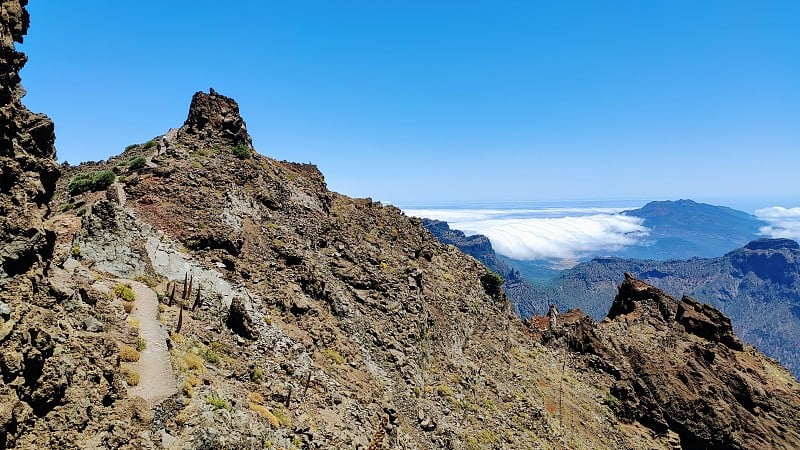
<point x="75" y="251"/>
<point x="217" y="402"/>
<point x="137" y="163"/>
<point x="130" y="147"/>
<point x="242" y="151"/>
<point x="493" y="284"/>
<point x="149" y="144"/>
<point x="333" y="355"/>
<point x="124" y="292"/>
<point x="210" y="356"/>
<point x="92" y="181"/>
<point x="141" y="344"/>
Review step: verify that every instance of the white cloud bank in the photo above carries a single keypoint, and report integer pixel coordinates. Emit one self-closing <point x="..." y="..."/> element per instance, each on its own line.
<point x="562" y="238"/>
<point x="782" y="222"/>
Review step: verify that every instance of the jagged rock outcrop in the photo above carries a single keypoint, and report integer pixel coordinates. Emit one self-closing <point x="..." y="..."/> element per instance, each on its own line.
<point x="28" y="172"/>
<point x="677" y="367"/>
<point x="757" y="286"/>
<point x="215" y="119"/>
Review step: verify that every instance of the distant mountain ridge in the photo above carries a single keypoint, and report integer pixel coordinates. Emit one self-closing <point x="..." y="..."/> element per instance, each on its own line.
<point x="684" y="229"/>
<point x="757" y="286"/>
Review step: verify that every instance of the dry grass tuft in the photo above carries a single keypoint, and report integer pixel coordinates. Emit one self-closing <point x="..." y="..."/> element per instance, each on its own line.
<point x="129" y="375"/>
<point x="128" y="354"/>
<point x="265" y="413"/>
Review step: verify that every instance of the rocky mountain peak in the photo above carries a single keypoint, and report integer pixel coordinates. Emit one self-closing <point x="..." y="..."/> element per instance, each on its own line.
<point x="772" y="244"/>
<point x="215" y="119"/>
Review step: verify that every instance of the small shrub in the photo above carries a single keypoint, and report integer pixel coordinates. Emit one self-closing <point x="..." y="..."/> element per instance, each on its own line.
<point x="493" y="284"/>
<point x="149" y="144"/>
<point x="210" y="356"/>
<point x="189" y="384"/>
<point x="128" y="354"/>
<point x="444" y="390"/>
<point x="333" y="355"/>
<point x="131" y="147"/>
<point x="75" y="251"/>
<point x="80" y="212"/>
<point x="217" y="402"/>
<point x="265" y="413"/>
<point x="127" y="306"/>
<point x="124" y="292"/>
<point x="137" y="163"/>
<point x="133" y="322"/>
<point x="242" y="151"/>
<point x="91" y="181"/>
<point x="282" y="417"/>
<point x="255" y="397"/>
<point x="256" y="375"/>
<point x="193" y="362"/>
<point x="129" y="375"/>
<point x="66" y="207"/>
<point x="147" y="280"/>
<point x="141" y="344"/>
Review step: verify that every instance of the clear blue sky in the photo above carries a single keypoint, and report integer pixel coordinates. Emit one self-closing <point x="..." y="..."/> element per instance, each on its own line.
<point x="431" y="100"/>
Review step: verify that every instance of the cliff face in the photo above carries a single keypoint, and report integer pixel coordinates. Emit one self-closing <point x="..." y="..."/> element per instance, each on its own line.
<point x="28" y="172"/>
<point x="677" y="368"/>
<point x="55" y="379"/>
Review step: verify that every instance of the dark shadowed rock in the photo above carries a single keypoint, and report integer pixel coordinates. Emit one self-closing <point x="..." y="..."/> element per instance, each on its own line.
<point x="240" y="319"/>
<point x="214" y="118"/>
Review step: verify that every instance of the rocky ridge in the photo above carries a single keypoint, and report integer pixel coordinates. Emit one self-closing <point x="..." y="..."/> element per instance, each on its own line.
<point x="299" y="318"/>
<point x="757" y="286"/>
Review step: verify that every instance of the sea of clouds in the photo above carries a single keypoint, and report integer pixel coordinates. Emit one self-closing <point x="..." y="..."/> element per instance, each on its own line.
<point x="571" y="233"/>
<point x="546" y="233"/>
<point x="781" y="222"/>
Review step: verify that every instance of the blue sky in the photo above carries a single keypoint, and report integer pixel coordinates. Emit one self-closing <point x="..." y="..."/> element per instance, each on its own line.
<point x="448" y="100"/>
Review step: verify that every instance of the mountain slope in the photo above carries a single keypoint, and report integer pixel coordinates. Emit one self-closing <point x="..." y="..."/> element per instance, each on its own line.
<point x="298" y="318"/>
<point x="757" y="286"/>
<point x="525" y="297"/>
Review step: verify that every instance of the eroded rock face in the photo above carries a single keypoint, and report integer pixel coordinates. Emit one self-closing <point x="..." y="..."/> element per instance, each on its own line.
<point x="57" y="388"/>
<point x="677" y="367"/>
<point x="214" y="119"/>
<point x="27" y="170"/>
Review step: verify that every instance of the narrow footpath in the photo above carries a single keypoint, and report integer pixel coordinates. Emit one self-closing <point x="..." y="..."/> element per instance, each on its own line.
<point x="156" y="378"/>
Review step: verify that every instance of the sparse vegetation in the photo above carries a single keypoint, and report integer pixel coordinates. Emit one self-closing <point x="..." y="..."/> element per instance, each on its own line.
<point x="129" y="375"/>
<point x="66" y="207"/>
<point x="262" y="411"/>
<point x="131" y="147"/>
<point x="493" y="284"/>
<point x="217" y="402"/>
<point x="147" y="280"/>
<point x="210" y="356"/>
<point x="242" y="151"/>
<point x="137" y="163"/>
<point x="75" y="251"/>
<point x="124" y="292"/>
<point x="149" y="144"/>
<point x="128" y="354"/>
<point x="92" y="181"/>
<point x="333" y="355"/>
<point x="284" y="419"/>
<point x="256" y="375"/>
<point x="141" y="344"/>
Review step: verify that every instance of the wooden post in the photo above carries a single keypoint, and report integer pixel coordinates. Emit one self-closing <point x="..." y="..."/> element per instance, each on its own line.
<point x="180" y="320"/>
